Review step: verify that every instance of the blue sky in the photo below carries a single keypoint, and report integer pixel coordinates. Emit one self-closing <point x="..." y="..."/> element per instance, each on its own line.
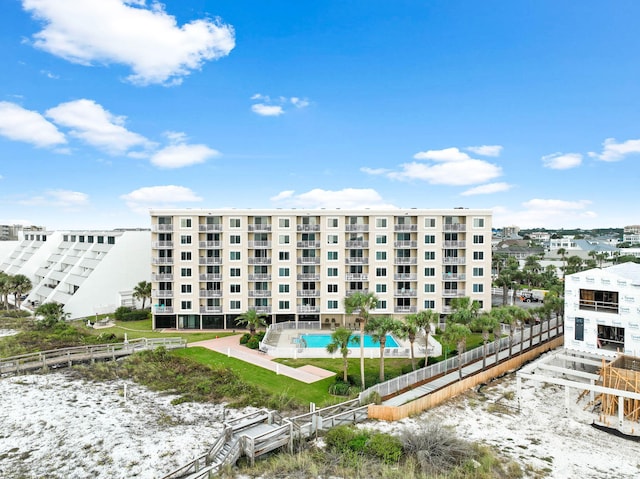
<point x="109" y="108"/>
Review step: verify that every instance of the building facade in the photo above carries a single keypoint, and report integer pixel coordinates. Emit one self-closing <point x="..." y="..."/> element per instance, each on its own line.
<point x="602" y="310"/>
<point x="209" y="266"/>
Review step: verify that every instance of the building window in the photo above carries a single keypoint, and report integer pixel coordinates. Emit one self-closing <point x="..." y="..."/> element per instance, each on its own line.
<point x="234" y="272"/>
<point x="332" y="222"/>
<point x="579" y="332"/>
<point x="332" y="239"/>
<point x="185" y="255"/>
<point x="381" y="239"/>
<point x="100" y="239"/>
<point x="283" y="305"/>
<point x="80" y="239"/>
<point x="332" y="304"/>
<point x="429" y="272"/>
<point x="478" y="272"/>
<point x="381" y="272"/>
<point x="185" y="239"/>
<point x="429" y="255"/>
<point x="478" y="255"/>
<point x="283" y="256"/>
<point x="283" y="288"/>
<point x="185" y="288"/>
<point x="185" y="222"/>
<point x="429" y="222"/>
<point x="332" y="255"/>
<point x="478" y="222"/>
<point x="234" y="288"/>
<point x="89" y="239"/>
<point x="382" y="304"/>
<point x="185" y="272"/>
<point x="283" y="239"/>
<point x="283" y="272"/>
<point x="234" y="222"/>
<point x="234" y="239"/>
<point x="381" y="288"/>
<point x="332" y="272"/>
<point x="429" y="239"/>
<point x="429" y="304"/>
<point x="381" y="222"/>
<point x="381" y="255"/>
<point x="234" y="304"/>
<point x="185" y="305"/>
<point x="234" y="255"/>
<point x="429" y="288"/>
<point x="332" y="288"/>
<point x="478" y="239"/>
<point x="478" y="288"/>
<point x="283" y="222"/>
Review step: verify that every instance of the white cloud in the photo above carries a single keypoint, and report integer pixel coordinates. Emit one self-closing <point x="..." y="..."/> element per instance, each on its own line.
<point x="548" y="213"/>
<point x="58" y="198"/>
<point x="181" y="155"/>
<point x="348" y="198"/>
<point x="19" y="124"/>
<point x="455" y="173"/>
<point x="142" y="199"/>
<point x="299" y="102"/>
<point x="447" y="154"/>
<point x="613" y="151"/>
<point x="48" y="74"/>
<point x="487" y="189"/>
<point x="486" y="150"/>
<point x="562" y="161"/>
<point x="146" y="39"/>
<point x="176" y="136"/>
<point x="374" y="171"/>
<point x="267" y="110"/>
<point x="93" y="124"/>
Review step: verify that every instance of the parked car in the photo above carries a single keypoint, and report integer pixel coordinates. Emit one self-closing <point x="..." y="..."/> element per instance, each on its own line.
<point x="526" y="297"/>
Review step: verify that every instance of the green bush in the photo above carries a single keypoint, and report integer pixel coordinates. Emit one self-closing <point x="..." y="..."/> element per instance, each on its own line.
<point x="253" y="343"/>
<point x="385" y="447"/>
<point x="260" y="335"/>
<point x="136" y="315"/>
<point x="338" y="438"/>
<point x="244" y="339"/>
<point x="121" y="312"/>
<point x="340" y="388"/>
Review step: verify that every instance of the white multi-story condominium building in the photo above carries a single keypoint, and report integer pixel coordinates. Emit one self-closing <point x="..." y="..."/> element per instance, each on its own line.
<point x="602" y="310"/>
<point x="86" y="271"/>
<point x="209" y="266"/>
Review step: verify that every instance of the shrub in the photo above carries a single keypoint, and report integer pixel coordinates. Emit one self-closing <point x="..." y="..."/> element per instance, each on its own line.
<point x="135" y="315"/>
<point x="121" y="311"/>
<point x="340" y="388"/>
<point x="245" y="338"/>
<point x="260" y="335"/>
<point x="253" y="343"/>
<point x="338" y="438"/>
<point x="385" y="447"/>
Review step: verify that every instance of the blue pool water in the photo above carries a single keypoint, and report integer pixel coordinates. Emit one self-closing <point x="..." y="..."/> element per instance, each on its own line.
<point x="321" y="341"/>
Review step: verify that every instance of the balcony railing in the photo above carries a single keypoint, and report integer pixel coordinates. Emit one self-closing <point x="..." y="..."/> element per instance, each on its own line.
<point x="356" y="244"/>
<point x="162" y="277"/>
<point x="308" y="309"/>
<point x="356" y="228"/>
<point x="259" y="244"/>
<point x="405" y="309"/>
<point x="162" y="260"/>
<point x="210" y="244"/>
<point x="262" y="309"/>
<point x="350" y="292"/>
<point x="404" y="227"/>
<point x="454" y="276"/>
<point x="163" y="309"/>
<point x="259" y="293"/>
<point x="308" y="277"/>
<point x="258" y="227"/>
<point x="405" y="293"/>
<point x="308" y="227"/>
<point x="454" y="260"/>
<point x="404" y="260"/>
<point x="453" y="293"/>
<point x="162" y="244"/>
<point x="214" y="227"/>
<point x="210" y="309"/>
<point x="308" y="244"/>
<point x="405" y="244"/>
<point x="260" y="277"/>
<point x="156" y="228"/>
<point x="357" y="276"/>
<point x="307" y="293"/>
<point x="211" y="277"/>
<point x="405" y="276"/>
<point x="210" y="260"/>
<point x="162" y="293"/>
<point x="454" y="244"/>
<point x="357" y="260"/>
<point x="308" y="260"/>
<point x="259" y="260"/>
<point x="454" y="227"/>
<point x="211" y="293"/>
<point x="600" y="306"/>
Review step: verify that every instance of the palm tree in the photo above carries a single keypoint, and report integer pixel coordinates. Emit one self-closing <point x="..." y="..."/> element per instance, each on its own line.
<point x="409" y="330"/>
<point x="486" y="323"/>
<point x="464" y="310"/>
<point x="51" y="313"/>
<point x="502" y="317"/>
<point x="424" y="319"/>
<point x="142" y="291"/>
<point x="19" y="285"/>
<point x="556" y="305"/>
<point x="458" y="334"/>
<point x="340" y="340"/>
<point x="563" y="253"/>
<point x="5" y="288"/>
<point x="508" y="277"/>
<point x="521" y="315"/>
<point x="361" y="303"/>
<point x="513" y="323"/>
<point x="379" y="327"/>
<point x="253" y="319"/>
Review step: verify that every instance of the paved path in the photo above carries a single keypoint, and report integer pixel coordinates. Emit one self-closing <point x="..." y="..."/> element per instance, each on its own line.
<point x="230" y="346"/>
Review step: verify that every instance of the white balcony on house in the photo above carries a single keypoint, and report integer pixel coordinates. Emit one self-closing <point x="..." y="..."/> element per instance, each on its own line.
<point x="258" y="227"/>
<point x="213" y="227"/>
<point x="162" y="244"/>
<point x="262" y="309"/>
<point x="405" y="227"/>
<point x="454" y="244"/>
<point x="405" y="244"/>
<point x="210" y="309"/>
<point x="163" y="309"/>
<point x="308" y="309"/>
<point x="350" y="292"/>
<point x="211" y="293"/>
<point x="453" y="293"/>
<point x="405" y="260"/>
<point x="210" y="277"/>
<point x="356" y="228"/>
<point x="308" y="277"/>
<point x="308" y="227"/>
<point x="259" y="293"/>
<point x="308" y="244"/>
<point x="405" y="276"/>
<point x="308" y="260"/>
<point x="260" y="277"/>
<point x="156" y="228"/>
<point x="405" y="293"/>
<point x="356" y="244"/>
<point x="454" y="276"/>
<point x="259" y="244"/>
<point x="159" y="260"/>
<point x="210" y="260"/>
<point x="162" y="293"/>
<point x="259" y="260"/>
<point x="162" y="277"/>
<point x="357" y="277"/>
<point x="357" y="260"/>
<point x="454" y="260"/>
<point x="454" y="227"/>
<point x="209" y="244"/>
<point x="308" y="293"/>
<point x="405" y="309"/>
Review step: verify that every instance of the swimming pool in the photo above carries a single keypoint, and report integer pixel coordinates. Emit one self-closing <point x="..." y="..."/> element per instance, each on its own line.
<point x="321" y="341"/>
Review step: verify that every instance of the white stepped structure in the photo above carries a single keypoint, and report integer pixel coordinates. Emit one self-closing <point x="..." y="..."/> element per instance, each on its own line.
<point x="89" y="272"/>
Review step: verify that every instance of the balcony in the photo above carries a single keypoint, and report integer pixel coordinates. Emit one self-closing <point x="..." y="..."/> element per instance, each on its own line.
<point x="259" y="293"/>
<point x="258" y="227"/>
<point x="308" y="244"/>
<point x="211" y="293"/>
<point x="401" y="293"/>
<point x="405" y="277"/>
<point x="262" y="309"/>
<point x="260" y="277"/>
<point x="356" y="228"/>
<point x="360" y="260"/>
<point x="210" y="260"/>
<point x="599" y="306"/>
<point x="454" y="276"/>
<point x="214" y="227"/>
<point x="405" y="244"/>
<point x="162" y="260"/>
<point x="162" y="277"/>
<point x="308" y="227"/>
<point x="308" y="293"/>
<point x="210" y="277"/>
<point x="453" y="293"/>
<point x="404" y="260"/>
<point x="404" y="227"/>
<point x="210" y="309"/>
<point x="357" y="277"/>
<point x="356" y="244"/>
<point x="163" y="309"/>
<point x="454" y="244"/>
<point x="259" y="244"/>
<point x="162" y="293"/>
<point x="404" y="309"/>
<point x="308" y="260"/>
<point x="162" y="244"/>
<point x="210" y="244"/>
<point x="454" y="260"/>
<point x="259" y="260"/>
<point x="308" y="277"/>
<point x="350" y="292"/>
<point x="454" y="227"/>
<point x="156" y="228"/>
<point x="308" y="309"/>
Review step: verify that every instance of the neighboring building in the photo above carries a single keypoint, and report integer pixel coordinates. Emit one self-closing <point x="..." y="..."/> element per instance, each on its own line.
<point x="631" y="234"/>
<point x="14" y="232"/>
<point x="566" y="242"/>
<point x="519" y="249"/>
<point x="541" y="236"/>
<point x="86" y="271"/>
<point x="209" y="266"/>
<point x="511" y="232"/>
<point x="602" y="310"/>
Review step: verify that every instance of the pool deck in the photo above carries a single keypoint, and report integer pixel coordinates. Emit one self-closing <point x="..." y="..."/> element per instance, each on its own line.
<point x="230" y="346"/>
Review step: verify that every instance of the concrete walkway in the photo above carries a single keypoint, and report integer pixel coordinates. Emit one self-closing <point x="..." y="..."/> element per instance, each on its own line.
<point x="231" y="347"/>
